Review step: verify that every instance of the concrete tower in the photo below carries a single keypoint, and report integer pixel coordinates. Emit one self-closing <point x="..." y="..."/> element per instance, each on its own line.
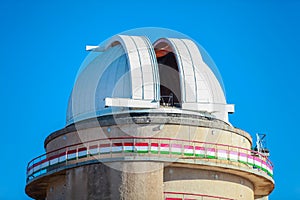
<point x="149" y="120"/>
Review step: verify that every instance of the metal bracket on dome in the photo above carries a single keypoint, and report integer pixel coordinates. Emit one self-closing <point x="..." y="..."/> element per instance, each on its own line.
<point x="94" y="48"/>
<point x="130" y="103"/>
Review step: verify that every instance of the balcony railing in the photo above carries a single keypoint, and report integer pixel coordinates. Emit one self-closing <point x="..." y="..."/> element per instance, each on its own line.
<point x="147" y="147"/>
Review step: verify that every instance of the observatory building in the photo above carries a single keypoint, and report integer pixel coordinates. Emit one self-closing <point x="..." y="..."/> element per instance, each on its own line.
<point x="148" y="119"/>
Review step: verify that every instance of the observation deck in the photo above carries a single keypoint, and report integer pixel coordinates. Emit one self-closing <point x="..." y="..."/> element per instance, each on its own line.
<point x="171" y="151"/>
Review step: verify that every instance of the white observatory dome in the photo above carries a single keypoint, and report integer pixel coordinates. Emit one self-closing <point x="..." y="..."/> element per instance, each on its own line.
<point x="132" y="73"/>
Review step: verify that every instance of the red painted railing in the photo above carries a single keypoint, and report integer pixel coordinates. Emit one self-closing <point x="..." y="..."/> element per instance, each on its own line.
<point x="162" y="147"/>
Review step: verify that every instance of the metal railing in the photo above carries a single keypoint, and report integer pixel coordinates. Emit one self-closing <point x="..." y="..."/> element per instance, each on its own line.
<point x="190" y="196"/>
<point x="167" y="100"/>
<point x="149" y="147"/>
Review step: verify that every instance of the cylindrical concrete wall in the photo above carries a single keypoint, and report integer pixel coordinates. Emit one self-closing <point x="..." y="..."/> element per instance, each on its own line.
<point x="138" y="180"/>
<point x="170" y="127"/>
<point x="198" y="181"/>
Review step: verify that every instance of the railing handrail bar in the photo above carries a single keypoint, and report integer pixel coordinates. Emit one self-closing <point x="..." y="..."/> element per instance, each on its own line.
<point x="155" y="138"/>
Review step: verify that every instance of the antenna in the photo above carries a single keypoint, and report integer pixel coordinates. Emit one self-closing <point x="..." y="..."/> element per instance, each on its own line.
<point x="261" y="144"/>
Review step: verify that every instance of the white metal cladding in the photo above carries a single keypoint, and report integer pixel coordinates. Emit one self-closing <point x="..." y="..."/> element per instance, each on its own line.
<point x="188" y="71"/>
<point x="143" y="65"/>
<point x="198" y="82"/>
<point x="127" y="71"/>
<point x="208" y="86"/>
<point x="200" y="88"/>
<point x="105" y="76"/>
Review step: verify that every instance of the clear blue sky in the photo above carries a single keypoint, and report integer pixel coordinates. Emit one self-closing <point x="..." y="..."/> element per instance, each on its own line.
<point x="255" y="44"/>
